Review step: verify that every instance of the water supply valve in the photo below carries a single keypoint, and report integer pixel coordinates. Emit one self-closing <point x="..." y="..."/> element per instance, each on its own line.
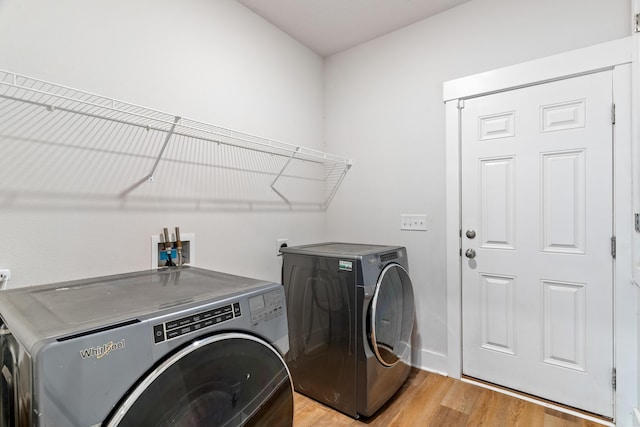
<point x="172" y="251"/>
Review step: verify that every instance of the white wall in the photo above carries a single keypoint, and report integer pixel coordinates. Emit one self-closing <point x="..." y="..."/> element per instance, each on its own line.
<point x="213" y="61"/>
<point x="384" y="108"/>
<point x="217" y="62"/>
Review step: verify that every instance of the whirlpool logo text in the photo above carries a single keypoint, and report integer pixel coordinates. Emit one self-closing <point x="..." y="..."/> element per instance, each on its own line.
<point x="102" y="350"/>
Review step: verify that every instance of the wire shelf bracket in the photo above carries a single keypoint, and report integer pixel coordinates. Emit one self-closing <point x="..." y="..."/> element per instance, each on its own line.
<point x="149" y="176"/>
<point x="273" y="183"/>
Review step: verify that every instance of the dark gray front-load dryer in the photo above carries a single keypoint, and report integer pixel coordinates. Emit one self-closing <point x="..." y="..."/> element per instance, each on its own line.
<point x="351" y="314"/>
<point x="175" y="347"/>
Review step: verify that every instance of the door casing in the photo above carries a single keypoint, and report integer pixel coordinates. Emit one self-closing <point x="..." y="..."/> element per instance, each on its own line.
<point x="616" y="56"/>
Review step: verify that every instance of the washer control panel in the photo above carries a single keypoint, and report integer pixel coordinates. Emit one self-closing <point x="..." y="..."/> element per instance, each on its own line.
<point x="195" y="322"/>
<point x="266" y="306"/>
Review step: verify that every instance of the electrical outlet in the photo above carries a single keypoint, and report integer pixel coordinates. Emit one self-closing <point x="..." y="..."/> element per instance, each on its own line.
<point x="5" y="275"/>
<point x="417" y="222"/>
<point x="279" y="244"/>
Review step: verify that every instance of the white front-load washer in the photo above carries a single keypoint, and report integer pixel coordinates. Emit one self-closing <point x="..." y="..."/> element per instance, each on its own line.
<point x="174" y="347"/>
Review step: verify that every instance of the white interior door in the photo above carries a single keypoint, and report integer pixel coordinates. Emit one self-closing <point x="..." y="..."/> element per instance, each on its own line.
<point x="537" y="266"/>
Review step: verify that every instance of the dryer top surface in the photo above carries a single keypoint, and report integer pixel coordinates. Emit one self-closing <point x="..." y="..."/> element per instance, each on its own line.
<point x="65" y="308"/>
<point x="333" y="249"/>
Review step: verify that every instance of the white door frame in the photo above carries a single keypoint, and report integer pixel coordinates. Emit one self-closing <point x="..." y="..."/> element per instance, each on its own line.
<point x="617" y="56"/>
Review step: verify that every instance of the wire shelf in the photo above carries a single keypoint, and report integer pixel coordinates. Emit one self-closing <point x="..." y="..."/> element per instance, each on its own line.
<point x="62" y="142"/>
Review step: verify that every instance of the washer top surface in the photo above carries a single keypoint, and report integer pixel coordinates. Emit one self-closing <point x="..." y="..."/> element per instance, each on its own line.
<point x="334" y="249"/>
<point x="68" y="307"/>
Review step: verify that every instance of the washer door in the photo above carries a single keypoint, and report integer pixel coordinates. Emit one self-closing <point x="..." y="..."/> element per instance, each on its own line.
<point x="391" y="315"/>
<point x="9" y="409"/>
<point x="231" y="379"/>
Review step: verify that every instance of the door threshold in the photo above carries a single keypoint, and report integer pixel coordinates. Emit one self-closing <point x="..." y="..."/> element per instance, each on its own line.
<point x="539" y="401"/>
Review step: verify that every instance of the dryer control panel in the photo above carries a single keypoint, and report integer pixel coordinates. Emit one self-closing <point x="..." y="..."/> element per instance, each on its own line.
<point x="266" y="306"/>
<point x="195" y="322"/>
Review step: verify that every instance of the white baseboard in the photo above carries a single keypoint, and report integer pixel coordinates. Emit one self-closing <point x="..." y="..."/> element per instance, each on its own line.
<point x="432" y="361"/>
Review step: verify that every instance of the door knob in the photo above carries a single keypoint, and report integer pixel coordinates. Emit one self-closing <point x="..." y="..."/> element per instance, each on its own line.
<point x="470" y="234"/>
<point x="470" y="253"/>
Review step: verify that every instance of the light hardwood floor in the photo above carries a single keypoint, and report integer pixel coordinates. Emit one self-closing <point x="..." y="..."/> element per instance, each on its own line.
<point x="432" y="400"/>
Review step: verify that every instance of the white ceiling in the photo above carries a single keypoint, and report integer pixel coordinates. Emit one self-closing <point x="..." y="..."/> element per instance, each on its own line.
<point x="331" y="26"/>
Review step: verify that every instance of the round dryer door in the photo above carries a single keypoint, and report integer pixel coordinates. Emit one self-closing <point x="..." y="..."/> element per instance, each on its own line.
<point x="231" y="379"/>
<point x="391" y="315"/>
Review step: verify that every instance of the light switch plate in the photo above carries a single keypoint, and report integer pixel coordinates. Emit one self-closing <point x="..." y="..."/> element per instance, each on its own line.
<point x="413" y="222"/>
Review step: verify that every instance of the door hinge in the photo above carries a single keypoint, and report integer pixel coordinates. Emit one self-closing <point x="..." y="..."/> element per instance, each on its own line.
<point x="460" y="104"/>
<point x="613" y="114"/>
<point x="637" y="23"/>
<point x="614" y="379"/>
<point x="613" y="246"/>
